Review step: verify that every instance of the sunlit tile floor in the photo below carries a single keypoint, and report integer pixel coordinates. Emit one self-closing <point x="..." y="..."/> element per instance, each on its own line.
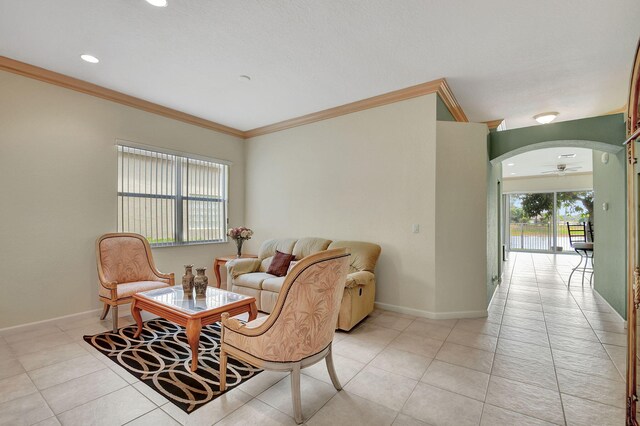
<point x="544" y="355"/>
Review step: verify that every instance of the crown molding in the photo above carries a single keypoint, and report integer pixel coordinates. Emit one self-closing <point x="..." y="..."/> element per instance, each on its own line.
<point x="31" y="71"/>
<point x="493" y="124"/>
<point x="439" y="86"/>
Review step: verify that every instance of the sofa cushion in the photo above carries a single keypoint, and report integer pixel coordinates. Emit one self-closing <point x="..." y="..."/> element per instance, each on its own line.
<point x="268" y="250"/>
<point x="308" y="246"/>
<point x="252" y="280"/>
<point x="280" y="264"/>
<point x="364" y="256"/>
<point x="291" y="265"/>
<point x="273" y="284"/>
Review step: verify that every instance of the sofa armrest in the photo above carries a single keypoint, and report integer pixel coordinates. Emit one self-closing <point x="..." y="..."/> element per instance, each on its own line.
<point x="360" y="278"/>
<point x="238" y="267"/>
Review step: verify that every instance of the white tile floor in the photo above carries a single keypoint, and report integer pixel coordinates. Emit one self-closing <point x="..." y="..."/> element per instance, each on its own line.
<point x="544" y="355"/>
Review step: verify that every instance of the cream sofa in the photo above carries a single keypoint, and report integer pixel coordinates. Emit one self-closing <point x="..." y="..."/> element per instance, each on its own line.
<point x="250" y="277"/>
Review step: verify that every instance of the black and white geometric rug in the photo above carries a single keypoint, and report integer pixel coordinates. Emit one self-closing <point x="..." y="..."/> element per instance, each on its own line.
<point x="161" y="358"/>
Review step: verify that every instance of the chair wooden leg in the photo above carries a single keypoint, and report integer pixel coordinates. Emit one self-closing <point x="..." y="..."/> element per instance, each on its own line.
<point x="332" y="371"/>
<point x="223" y="370"/>
<point x="105" y="311"/>
<point x="114" y="318"/>
<point x="295" y="393"/>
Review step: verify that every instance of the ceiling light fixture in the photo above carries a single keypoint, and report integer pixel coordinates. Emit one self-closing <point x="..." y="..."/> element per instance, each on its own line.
<point x="567" y="156"/>
<point x="244" y="77"/>
<point x="90" y="58"/>
<point x="545" y="117"/>
<point x="511" y="164"/>
<point x="158" y="3"/>
<point x="513" y="173"/>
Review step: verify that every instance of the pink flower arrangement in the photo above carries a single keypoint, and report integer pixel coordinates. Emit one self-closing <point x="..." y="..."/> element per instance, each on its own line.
<point x="240" y="233"/>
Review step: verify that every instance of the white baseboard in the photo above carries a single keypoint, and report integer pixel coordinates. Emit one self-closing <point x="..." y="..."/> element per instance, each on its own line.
<point x="495" y="290"/>
<point x="609" y="305"/>
<point x="121" y="313"/>
<point x="31" y="324"/>
<point x="431" y="315"/>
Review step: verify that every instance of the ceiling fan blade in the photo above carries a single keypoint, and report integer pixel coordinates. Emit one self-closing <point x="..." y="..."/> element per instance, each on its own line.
<point x="571" y="169"/>
<point x="549" y="171"/>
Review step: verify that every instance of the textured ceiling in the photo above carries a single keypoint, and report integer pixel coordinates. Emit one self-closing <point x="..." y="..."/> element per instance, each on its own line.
<point x="502" y="58"/>
<point x="533" y="163"/>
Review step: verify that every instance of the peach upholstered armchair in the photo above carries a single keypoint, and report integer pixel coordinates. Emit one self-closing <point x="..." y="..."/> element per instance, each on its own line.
<point x="125" y="267"/>
<point x="300" y="329"/>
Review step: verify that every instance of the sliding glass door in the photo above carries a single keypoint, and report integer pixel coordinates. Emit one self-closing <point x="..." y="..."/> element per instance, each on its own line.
<point x="538" y="221"/>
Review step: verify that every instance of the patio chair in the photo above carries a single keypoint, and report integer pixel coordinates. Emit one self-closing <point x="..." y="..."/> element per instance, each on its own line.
<point x="581" y="245"/>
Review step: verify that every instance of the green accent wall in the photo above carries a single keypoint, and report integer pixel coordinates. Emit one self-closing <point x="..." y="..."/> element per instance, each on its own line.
<point x="609" y="186"/>
<point x="607" y="129"/>
<point x="442" y="112"/>
<point x="602" y="134"/>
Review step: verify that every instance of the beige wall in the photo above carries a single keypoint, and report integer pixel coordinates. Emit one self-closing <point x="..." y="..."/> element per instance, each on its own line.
<point x="364" y="176"/>
<point x="461" y="219"/>
<point x="371" y="176"/>
<point x="58" y="186"/>
<point x="570" y="182"/>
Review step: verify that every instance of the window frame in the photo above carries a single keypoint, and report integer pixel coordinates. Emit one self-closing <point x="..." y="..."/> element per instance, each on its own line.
<point x="180" y="200"/>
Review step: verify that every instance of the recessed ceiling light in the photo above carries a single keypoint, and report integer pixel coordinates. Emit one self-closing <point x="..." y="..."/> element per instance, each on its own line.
<point x="244" y="77"/>
<point x="90" y="58"/>
<point x="511" y="164"/>
<point x="545" y="117"/>
<point x="158" y="3"/>
<point x="513" y="173"/>
<point x="567" y="156"/>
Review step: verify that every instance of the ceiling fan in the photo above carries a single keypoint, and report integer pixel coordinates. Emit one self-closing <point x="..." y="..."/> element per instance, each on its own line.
<point x="562" y="169"/>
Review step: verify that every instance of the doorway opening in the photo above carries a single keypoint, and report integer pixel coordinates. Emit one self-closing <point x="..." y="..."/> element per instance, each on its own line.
<point x="538" y="221"/>
<point x="543" y="191"/>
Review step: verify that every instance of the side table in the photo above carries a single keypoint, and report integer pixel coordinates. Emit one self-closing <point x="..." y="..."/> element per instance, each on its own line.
<point x="222" y="260"/>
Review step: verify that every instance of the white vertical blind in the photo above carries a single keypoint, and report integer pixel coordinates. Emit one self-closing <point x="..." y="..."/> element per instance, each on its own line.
<point x="171" y="199"/>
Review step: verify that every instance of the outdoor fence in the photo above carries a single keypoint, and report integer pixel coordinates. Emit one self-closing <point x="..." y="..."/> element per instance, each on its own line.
<point x="538" y="236"/>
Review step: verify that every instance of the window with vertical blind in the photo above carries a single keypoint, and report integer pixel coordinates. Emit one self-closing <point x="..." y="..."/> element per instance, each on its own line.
<point x="170" y="198"/>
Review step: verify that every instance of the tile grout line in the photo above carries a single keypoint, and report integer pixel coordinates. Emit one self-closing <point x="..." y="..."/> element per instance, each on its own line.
<point x="553" y="361"/>
<point x="593" y="330"/>
<point x="529" y="384"/>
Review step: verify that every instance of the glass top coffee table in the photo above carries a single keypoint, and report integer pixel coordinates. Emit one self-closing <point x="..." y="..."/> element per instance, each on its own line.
<point x="190" y="311"/>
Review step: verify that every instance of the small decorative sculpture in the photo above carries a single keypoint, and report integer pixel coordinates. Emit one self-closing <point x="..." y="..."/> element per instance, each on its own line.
<point x="200" y="282"/>
<point x="187" y="278"/>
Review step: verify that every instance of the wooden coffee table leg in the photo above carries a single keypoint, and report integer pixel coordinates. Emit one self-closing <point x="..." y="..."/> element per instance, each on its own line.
<point x="193" y="336"/>
<point x="253" y="313"/>
<point x="135" y="312"/>
<point x="216" y="270"/>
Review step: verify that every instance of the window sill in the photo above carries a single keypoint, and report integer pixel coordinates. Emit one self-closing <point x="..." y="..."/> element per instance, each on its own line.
<point x="197" y="243"/>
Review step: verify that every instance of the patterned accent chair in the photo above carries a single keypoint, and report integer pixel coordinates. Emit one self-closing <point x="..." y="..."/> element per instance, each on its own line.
<point x="299" y="332"/>
<point x="125" y="267"/>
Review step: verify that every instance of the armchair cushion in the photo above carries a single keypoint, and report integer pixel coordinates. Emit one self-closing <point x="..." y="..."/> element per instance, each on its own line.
<point x="360" y="278"/>
<point x="280" y="264"/>
<point x="253" y="280"/>
<point x="129" y="289"/>
<point x="238" y="267"/>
